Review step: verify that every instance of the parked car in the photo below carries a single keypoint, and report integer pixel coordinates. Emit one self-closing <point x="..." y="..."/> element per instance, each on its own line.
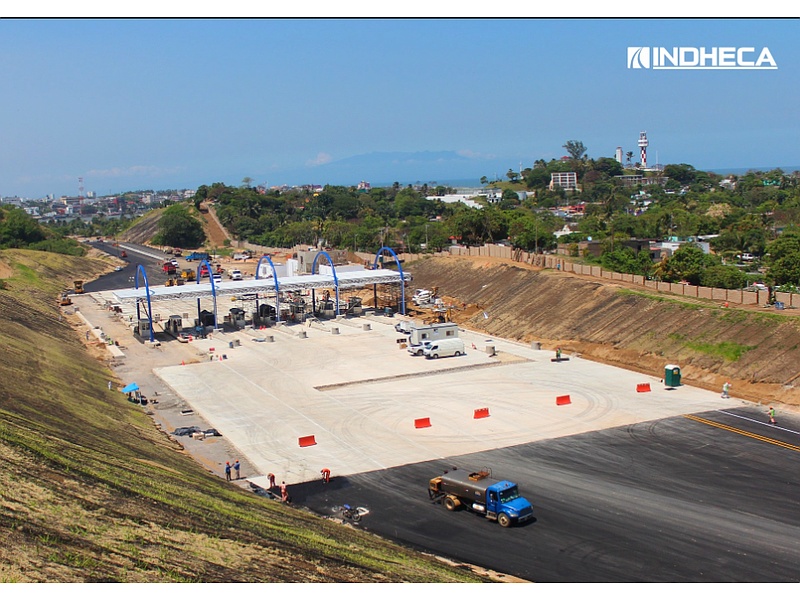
<point x="418" y="349"/>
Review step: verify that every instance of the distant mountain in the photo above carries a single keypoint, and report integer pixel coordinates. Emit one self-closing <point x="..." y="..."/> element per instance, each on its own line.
<point x="446" y="167"/>
<point x="403" y="167"/>
<point x="744" y="170"/>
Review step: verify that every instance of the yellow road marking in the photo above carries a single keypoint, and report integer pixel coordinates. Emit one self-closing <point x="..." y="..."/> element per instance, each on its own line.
<point x="755" y="436"/>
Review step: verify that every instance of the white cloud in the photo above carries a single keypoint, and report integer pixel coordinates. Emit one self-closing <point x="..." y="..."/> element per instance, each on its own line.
<point x="473" y="154"/>
<point x="323" y="158"/>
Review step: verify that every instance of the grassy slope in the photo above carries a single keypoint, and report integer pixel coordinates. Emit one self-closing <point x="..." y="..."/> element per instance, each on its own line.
<point x="90" y="490"/>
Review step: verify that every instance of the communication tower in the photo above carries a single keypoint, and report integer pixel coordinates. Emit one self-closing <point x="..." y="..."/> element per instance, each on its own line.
<point x="80" y="187"/>
<point x="643" y="148"/>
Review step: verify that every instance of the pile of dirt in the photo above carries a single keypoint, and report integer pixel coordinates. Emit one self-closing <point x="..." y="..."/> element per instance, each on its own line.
<point x="634" y="328"/>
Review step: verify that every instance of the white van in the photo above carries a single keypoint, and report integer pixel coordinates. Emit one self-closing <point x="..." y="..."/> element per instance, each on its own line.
<point x="441" y="348"/>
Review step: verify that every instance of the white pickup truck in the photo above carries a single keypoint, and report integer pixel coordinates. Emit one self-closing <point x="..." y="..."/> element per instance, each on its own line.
<point x="235" y="274"/>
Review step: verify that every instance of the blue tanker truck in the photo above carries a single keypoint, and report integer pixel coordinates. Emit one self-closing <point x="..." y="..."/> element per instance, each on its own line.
<point x="476" y="491"/>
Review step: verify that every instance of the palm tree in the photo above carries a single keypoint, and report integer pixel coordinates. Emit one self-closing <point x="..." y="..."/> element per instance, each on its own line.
<point x="629" y="156"/>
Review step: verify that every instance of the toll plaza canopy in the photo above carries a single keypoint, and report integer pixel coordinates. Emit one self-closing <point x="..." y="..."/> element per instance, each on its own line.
<point x="189" y="291"/>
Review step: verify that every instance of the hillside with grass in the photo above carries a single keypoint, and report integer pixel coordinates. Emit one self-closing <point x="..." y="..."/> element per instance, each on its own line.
<point x="92" y="491"/>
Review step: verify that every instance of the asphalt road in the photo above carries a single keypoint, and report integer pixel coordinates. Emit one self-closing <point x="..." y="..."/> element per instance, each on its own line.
<point x="150" y="259"/>
<point x="706" y="499"/>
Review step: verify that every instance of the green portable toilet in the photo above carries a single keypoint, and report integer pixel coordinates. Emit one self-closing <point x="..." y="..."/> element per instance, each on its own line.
<point x="672" y="375"/>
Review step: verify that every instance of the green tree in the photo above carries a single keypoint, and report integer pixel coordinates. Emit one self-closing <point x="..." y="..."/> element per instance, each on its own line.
<point x="723" y="276"/>
<point x="688" y="264"/>
<point x="18" y="229"/>
<point x="177" y="227"/>
<point x="784" y="258"/>
<point x="576" y="149"/>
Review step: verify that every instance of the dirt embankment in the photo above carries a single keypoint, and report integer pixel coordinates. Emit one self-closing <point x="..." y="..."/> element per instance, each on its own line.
<point x="146" y="228"/>
<point x="757" y="352"/>
<point x="143" y="230"/>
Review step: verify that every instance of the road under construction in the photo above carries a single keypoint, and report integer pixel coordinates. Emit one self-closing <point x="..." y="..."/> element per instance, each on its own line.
<point x="610" y="457"/>
<point x="343" y="393"/>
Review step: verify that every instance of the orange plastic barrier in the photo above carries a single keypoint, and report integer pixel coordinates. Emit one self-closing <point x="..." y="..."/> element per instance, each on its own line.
<point x="642" y="387"/>
<point x="420" y="423"/>
<point x="561" y="400"/>
<point x="481" y="413"/>
<point x="307" y="440"/>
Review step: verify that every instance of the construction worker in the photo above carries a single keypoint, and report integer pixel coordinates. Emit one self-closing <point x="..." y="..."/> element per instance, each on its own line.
<point x="558" y="353"/>
<point x="228" y="471"/>
<point x="726" y="389"/>
<point x="772" y="420"/>
<point x="271" y="478"/>
<point x="326" y="475"/>
<point x="284" y="492"/>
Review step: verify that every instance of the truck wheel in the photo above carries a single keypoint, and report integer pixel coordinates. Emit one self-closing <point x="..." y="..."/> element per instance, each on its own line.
<point x="458" y="353"/>
<point x="435" y="356"/>
<point x="450" y="503"/>
<point x="503" y="519"/>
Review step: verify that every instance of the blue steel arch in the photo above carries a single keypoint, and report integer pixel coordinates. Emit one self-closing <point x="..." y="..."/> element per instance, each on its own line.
<point x="140" y="268"/>
<point x="402" y="277"/>
<point x="333" y="268"/>
<point x="277" y="285"/>
<point x="213" y="291"/>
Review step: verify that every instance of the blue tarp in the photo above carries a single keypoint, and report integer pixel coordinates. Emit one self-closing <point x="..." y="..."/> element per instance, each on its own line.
<point x="131" y="387"/>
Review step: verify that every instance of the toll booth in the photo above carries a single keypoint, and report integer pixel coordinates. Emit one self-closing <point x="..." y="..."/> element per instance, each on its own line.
<point x="174" y="324"/>
<point x="237" y="317"/>
<point x="142" y="329"/>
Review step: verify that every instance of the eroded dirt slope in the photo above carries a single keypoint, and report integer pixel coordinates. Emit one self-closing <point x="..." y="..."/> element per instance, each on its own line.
<point x="758" y="352"/>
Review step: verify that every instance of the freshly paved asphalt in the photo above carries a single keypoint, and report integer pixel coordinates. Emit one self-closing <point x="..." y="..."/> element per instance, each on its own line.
<point x="674" y="485"/>
<point x="670" y="500"/>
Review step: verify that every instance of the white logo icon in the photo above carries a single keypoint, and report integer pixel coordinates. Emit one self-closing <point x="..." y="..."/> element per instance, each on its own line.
<point x="638" y="58"/>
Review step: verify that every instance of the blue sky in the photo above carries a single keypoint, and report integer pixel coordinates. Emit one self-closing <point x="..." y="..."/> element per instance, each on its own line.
<point x="159" y="103"/>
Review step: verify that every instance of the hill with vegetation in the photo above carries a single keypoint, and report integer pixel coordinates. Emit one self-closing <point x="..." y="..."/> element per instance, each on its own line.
<point x="756" y="349"/>
<point x="92" y="491"/>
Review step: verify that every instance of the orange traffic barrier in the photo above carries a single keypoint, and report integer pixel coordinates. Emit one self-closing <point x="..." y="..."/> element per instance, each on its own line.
<point x="307" y="440"/>
<point x="420" y="423"/>
<point x="561" y="400"/>
<point x="642" y="387"/>
<point x="481" y="413"/>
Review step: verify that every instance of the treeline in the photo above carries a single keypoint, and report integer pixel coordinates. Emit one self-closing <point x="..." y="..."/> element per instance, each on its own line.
<point x="405" y="218"/>
<point x="19" y="230"/>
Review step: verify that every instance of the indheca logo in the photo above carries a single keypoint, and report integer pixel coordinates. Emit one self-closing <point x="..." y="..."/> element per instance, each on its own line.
<point x="689" y="58"/>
